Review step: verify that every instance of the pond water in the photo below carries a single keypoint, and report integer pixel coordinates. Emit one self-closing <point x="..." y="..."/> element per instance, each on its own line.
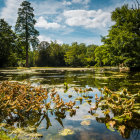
<point x="82" y="125"/>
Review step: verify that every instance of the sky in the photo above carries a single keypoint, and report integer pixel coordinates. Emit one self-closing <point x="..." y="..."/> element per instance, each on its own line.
<point x="67" y="21"/>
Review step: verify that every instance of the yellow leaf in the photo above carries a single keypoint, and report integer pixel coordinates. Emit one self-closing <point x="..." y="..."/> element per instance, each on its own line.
<point x="66" y="132"/>
<point x="86" y="122"/>
<point x="122" y="129"/>
<point x="112" y="123"/>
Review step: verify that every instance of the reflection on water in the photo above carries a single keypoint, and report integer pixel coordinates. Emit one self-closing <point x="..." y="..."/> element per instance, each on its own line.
<point x="82" y="124"/>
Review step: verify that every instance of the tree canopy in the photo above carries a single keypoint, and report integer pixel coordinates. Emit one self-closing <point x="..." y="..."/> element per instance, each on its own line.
<point x="122" y="44"/>
<point x="25" y="27"/>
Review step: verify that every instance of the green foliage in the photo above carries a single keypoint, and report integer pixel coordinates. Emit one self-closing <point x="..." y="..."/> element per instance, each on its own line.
<point x="54" y="54"/>
<point x="10" y="49"/>
<point x="75" y="56"/>
<point x="122" y="44"/>
<point x="25" y="27"/>
<point x="80" y="55"/>
<point x="50" y="54"/>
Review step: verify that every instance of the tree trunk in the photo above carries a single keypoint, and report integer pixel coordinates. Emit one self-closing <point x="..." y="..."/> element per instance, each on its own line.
<point x="27" y="65"/>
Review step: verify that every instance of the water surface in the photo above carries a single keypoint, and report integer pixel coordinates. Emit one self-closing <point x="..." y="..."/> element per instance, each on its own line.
<point x="83" y="125"/>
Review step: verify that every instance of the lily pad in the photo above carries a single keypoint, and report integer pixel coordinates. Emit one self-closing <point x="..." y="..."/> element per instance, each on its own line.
<point x="2" y="125"/>
<point x="85" y="122"/>
<point x="87" y="117"/>
<point x="66" y="132"/>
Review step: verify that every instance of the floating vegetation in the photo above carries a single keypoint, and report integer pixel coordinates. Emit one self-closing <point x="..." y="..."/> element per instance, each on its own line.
<point x="87" y="117"/>
<point x="66" y="132"/>
<point x="123" y="105"/>
<point x="23" y="108"/>
<point x="4" y="136"/>
<point x="85" y="122"/>
<point x="22" y="102"/>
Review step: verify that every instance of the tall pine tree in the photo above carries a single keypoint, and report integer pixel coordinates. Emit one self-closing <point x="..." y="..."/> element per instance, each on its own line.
<point x="25" y="27"/>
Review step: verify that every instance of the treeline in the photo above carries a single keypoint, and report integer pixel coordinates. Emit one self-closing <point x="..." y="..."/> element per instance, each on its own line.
<point x="20" y="47"/>
<point x="54" y="54"/>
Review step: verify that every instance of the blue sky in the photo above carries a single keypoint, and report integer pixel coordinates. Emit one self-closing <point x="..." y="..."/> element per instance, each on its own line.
<point x="67" y="21"/>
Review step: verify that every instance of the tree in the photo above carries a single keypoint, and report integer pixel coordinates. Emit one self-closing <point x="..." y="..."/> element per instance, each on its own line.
<point x="123" y="41"/>
<point x="25" y="27"/>
<point x="8" y="45"/>
<point x="90" y="55"/>
<point x="76" y="55"/>
<point x="43" y="58"/>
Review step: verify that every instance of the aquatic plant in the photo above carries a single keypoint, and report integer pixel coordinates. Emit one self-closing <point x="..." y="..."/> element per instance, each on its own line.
<point x="66" y="132"/>
<point x="124" y="107"/>
<point x="22" y="102"/>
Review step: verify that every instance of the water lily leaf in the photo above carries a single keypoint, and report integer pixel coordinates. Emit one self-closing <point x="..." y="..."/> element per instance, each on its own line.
<point x="66" y="132"/>
<point x="122" y="129"/>
<point x="2" y="125"/>
<point x="85" y="122"/>
<point x="87" y="117"/>
<point x="119" y="119"/>
<point x="18" y="131"/>
<point x="106" y="112"/>
<point x="78" y="98"/>
<point x="108" y="127"/>
<point x="95" y="114"/>
<point x="112" y="123"/>
<point x="60" y="121"/>
<point x="30" y="128"/>
<point x="137" y="111"/>
<point x="35" y="135"/>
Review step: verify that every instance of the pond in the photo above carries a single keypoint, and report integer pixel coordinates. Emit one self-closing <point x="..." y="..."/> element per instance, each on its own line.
<point x="81" y="124"/>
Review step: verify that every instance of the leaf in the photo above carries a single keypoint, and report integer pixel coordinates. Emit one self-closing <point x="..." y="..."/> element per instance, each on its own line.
<point x="60" y="121"/>
<point x="85" y="122"/>
<point x="95" y="114"/>
<point x="108" y="127"/>
<point x="87" y="117"/>
<point x="35" y="135"/>
<point x="118" y="118"/>
<point x="106" y="112"/>
<point x="112" y="123"/>
<point x="66" y="132"/>
<point x="137" y="111"/>
<point x="122" y="129"/>
<point x="2" y="125"/>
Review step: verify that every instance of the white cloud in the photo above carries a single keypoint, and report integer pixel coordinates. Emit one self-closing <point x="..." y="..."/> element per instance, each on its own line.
<point x="9" y="12"/>
<point x="48" y="39"/>
<point x="47" y="7"/>
<point x="66" y="2"/>
<point x="81" y="1"/>
<point x="41" y="22"/>
<point x="44" y="38"/>
<point x="88" y="18"/>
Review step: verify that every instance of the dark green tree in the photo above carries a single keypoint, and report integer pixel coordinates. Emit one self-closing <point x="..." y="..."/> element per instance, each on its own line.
<point x="8" y="45"/>
<point x="25" y="27"/>
<point x="123" y="41"/>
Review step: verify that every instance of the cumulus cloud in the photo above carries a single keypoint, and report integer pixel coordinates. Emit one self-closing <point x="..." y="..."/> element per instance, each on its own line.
<point x="47" y="7"/>
<point x="81" y="1"/>
<point x="42" y="23"/>
<point x="66" y="2"/>
<point x="44" y="38"/>
<point x="9" y="12"/>
<point x="48" y="39"/>
<point x="87" y="18"/>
